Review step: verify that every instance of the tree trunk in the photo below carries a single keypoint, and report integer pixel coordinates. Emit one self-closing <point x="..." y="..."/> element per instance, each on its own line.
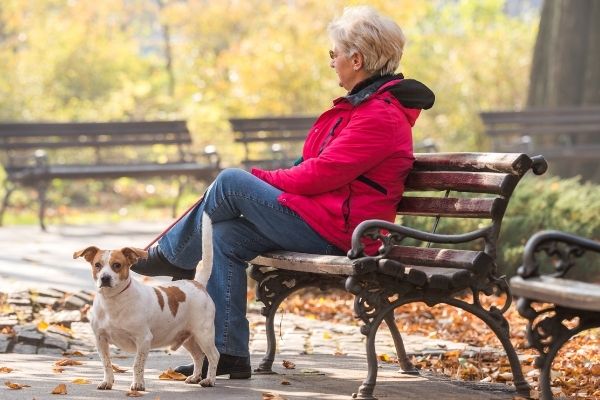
<point x="566" y="61"/>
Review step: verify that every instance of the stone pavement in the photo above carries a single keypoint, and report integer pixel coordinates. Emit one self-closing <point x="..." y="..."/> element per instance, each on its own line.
<point x="329" y="357"/>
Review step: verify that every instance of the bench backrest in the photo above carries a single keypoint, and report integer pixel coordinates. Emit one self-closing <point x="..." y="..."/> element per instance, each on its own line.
<point x="543" y="129"/>
<point x="271" y="142"/>
<point x="105" y="141"/>
<point x="477" y="185"/>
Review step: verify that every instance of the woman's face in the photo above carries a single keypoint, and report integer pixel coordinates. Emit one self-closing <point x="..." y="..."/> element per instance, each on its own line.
<point x="345" y="68"/>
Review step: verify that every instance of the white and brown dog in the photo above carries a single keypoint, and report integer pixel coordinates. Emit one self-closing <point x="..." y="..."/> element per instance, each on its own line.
<point x="136" y="317"/>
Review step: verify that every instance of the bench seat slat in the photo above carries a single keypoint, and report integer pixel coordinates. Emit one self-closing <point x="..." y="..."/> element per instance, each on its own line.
<point x="452" y="207"/>
<point x="73" y="172"/>
<point x="114" y="171"/>
<point x="560" y="291"/>
<point x="294" y="261"/>
<point x="441" y="258"/>
<point x="479" y="182"/>
<point x="446" y="261"/>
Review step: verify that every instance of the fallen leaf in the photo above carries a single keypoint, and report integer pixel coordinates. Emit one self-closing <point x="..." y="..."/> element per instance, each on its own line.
<point x="118" y="369"/>
<point x="288" y="364"/>
<point x="60" y="389"/>
<point x="5" y="370"/>
<point x="58" y="370"/>
<point x="64" y="362"/>
<point x="171" y="375"/>
<point x="42" y="326"/>
<point x="272" y="396"/>
<point x="80" y="381"/>
<point x="15" y="386"/>
<point x="73" y="354"/>
<point x="133" y="393"/>
<point x="310" y="371"/>
<point x="285" y="382"/>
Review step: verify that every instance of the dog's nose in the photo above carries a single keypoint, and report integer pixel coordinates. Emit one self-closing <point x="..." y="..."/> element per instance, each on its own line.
<point x="105" y="281"/>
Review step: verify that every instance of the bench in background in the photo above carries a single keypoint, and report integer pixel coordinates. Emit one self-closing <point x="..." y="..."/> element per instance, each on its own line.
<point x="569" y="300"/>
<point x="276" y="142"/>
<point x="34" y="154"/>
<point x="569" y="138"/>
<point x="475" y="185"/>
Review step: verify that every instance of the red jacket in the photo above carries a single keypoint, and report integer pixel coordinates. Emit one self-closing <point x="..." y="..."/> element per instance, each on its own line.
<point x="355" y="159"/>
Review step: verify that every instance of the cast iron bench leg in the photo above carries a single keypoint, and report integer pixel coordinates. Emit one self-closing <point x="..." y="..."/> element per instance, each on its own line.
<point x="8" y="189"/>
<point x="42" y="188"/>
<point x="499" y="325"/>
<point x="407" y="366"/>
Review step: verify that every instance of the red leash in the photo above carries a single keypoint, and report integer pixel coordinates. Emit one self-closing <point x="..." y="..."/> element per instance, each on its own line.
<point x="156" y="239"/>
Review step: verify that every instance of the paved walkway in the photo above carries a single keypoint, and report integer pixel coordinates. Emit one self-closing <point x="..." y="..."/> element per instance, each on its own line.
<point x="329" y="358"/>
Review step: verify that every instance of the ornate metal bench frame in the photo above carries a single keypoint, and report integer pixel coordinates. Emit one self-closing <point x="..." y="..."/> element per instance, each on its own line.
<point x="390" y="279"/>
<point x="545" y="329"/>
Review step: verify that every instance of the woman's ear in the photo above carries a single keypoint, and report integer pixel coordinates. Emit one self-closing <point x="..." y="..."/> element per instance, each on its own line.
<point x="357" y="61"/>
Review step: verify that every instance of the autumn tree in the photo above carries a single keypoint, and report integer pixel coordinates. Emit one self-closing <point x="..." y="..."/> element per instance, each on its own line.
<point x="566" y="62"/>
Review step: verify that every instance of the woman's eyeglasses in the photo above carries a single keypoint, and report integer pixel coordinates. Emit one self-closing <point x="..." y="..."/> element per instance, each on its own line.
<point x="332" y="54"/>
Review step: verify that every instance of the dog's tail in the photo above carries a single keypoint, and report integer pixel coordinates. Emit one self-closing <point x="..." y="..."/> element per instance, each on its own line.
<point x="204" y="267"/>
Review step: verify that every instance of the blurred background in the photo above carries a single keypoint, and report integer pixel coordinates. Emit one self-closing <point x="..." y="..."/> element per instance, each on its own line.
<point x="206" y="61"/>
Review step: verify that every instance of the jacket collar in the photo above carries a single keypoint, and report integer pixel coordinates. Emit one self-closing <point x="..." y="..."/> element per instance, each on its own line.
<point x="365" y="89"/>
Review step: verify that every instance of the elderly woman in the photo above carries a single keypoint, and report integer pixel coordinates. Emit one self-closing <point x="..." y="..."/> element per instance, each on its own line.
<point x="353" y="165"/>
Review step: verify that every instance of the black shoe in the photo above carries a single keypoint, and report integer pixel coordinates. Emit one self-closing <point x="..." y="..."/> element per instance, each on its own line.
<point x="157" y="265"/>
<point x="235" y="367"/>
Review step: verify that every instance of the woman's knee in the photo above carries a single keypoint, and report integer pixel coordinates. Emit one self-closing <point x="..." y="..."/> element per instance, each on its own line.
<point x="229" y="175"/>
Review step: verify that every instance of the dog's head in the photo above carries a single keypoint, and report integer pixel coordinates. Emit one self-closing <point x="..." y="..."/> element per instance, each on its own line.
<point x="110" y="267"/>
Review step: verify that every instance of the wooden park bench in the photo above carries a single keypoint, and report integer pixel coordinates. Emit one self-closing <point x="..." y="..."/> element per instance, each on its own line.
<point x="569" y="138"/>
<point x="471" y="185"/>
<point x="35" y="154"/>
<point x="542" y="281"/>
<point x="276" y="142"/>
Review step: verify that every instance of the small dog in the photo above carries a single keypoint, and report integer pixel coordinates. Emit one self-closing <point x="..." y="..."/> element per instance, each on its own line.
<point x="137" y="317"/>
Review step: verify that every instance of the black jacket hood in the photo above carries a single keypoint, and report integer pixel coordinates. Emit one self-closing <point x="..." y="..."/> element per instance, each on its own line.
<point x="409" y="92"/>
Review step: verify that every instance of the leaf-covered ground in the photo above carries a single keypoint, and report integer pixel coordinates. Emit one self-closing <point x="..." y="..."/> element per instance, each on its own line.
<point x="575" y="373"/>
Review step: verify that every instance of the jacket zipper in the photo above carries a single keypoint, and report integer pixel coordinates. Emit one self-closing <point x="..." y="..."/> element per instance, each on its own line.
<point x="329" y="136"/>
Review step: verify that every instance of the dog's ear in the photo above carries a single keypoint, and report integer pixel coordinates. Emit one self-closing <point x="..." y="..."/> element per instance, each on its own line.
<point x="133" y="254"/>
<point x="88" y="253"/>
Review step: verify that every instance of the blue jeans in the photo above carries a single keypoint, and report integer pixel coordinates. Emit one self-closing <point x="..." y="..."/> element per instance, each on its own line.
<point x="247" y="220"/>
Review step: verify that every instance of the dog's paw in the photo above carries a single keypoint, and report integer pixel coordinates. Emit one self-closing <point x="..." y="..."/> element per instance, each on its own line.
<point x="137" y="387"/>
<point x="193" y="379"/>
<point x="105" y="386"/>
<point x="208" y="382"/>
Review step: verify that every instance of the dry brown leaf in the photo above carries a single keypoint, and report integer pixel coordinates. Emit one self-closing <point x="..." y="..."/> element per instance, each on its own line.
<point x="15" y="386"/>
<point x="285" y="382"/>
<point x="134" y="393"/>
<point x="171" y="375"/>
<point x="272" y="396"/>
<point x="60" y="389"/>
<point x="6" y="370"/>
<point x="58" y="370"/>
<point x="118" y="369"/>
<point x="73" y="354"/>
<point x="80" y="381"/>
<point x="64" y="362"/>
<point x="288" y="364"/>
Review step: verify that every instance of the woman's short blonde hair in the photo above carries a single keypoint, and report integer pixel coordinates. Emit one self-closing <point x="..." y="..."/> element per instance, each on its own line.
<point x="379" y="39"/>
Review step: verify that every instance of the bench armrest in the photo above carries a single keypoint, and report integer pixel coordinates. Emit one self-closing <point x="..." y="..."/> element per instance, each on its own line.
<point x="396" y="233"/>
<point x="564" y="246"/>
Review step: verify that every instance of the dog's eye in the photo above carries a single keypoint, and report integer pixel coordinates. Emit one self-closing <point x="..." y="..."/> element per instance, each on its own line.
<point x="116" y="265"/>
<point x="98" y="266"/>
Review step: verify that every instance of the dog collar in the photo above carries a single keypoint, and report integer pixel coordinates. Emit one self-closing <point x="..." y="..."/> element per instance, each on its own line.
<point x="126" y="287"/>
